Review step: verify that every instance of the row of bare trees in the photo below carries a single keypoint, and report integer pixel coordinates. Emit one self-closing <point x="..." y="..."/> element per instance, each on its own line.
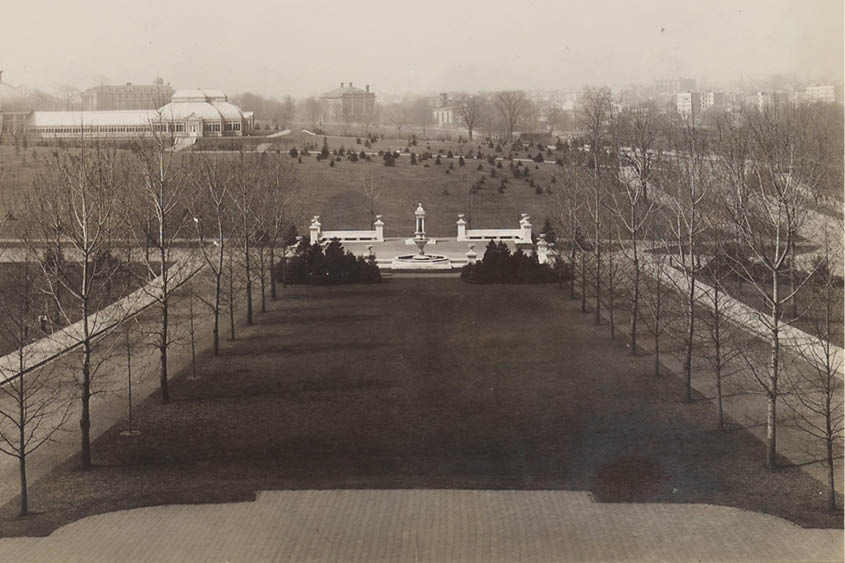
<point x="103" y="221"/>
<point x="683" y="222"/>
<point x="496" y="114"/>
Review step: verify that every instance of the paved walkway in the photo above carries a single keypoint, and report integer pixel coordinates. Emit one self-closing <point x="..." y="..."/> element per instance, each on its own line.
<point x="429" y="525"/>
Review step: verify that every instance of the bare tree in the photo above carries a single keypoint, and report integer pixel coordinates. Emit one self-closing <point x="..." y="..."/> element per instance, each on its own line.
<point x="511" y="105"/>
<point x="69" y="96"/>
<point x="815" y="396"/>
<point x="655" y="296"/>
<point x="38" y="407"/>
<point x="73" y="203"/>
<point x="768" y="209"/>
<point x="637" y="133"/>
<point x="162" y="195"/>
<point x="595" y="117"/>
<point x="422" y="113"/>
<point x="246" y="180"/>
<point x="281" y="194"/>
<point x="314" y="110"/>
<point x="470" y="109"/>
<point x="289" y="110"/>
<point x="691" y="176"/>
<point x="718" y="317"/>
<point x="212" y="184"/>
<point x="398" y="115"/>
<point x="371" y="187"/>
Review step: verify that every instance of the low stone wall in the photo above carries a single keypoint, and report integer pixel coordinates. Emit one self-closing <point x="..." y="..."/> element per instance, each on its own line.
<point x="318" y="235"/>
<point x="520" y="235"/>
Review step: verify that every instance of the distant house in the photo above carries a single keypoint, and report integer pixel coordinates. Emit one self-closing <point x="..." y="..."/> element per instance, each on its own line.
<point x="444" y="112"/>
<point x="348" y="104"/>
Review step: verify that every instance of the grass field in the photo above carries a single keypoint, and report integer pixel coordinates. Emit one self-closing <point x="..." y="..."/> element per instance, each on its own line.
<point x="335" y="193"/>
<point x="424" y="383"/>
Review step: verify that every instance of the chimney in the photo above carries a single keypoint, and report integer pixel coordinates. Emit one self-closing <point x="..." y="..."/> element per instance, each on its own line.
<point x="368" y="87"/>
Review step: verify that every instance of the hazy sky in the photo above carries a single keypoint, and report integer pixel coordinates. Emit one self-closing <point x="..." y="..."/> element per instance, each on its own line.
<point x="304" y="47"/>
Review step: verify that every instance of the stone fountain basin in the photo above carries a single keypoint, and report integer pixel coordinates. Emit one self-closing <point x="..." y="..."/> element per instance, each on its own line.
<point x="421" y="262"/>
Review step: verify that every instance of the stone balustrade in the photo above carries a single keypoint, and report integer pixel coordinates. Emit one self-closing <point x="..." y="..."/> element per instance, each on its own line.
<point x="319" y="235"/>
<point x="520" y="235"/>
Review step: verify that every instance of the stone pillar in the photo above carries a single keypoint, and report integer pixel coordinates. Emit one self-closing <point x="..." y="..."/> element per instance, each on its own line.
<point x="472" y="256"/>
<point x="462" y="228"/>
<point x="542" y="249"/>
<point x="315" y="229"/>
<point x="379" y="226"/>
<point x="525" y="225"/>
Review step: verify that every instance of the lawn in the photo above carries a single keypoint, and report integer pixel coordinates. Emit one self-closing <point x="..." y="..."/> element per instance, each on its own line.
<point x="423" y="383"/>
<point x="335" y="193"/>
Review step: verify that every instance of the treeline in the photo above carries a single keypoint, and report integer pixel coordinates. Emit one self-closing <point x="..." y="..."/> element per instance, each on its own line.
<point x="101" y="222"/>
<point x="675" y="227"/>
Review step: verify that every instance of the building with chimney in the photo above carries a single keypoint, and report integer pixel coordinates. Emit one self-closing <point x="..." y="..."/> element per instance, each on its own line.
<point x="348" y="104"/>
<point x="126" y="96"/>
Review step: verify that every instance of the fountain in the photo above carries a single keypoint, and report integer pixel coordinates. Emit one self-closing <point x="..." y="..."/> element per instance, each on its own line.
<point x="421" y="260"/>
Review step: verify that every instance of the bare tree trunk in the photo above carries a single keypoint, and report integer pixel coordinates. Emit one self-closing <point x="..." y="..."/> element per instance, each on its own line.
<point x="248" y="273"/>
<point x="85" y="415"/>
<point x="192" y="329"/>
<point x="635" y="303"/>
<point x="162" y="346"/>
<point x="772" y="391"/>
<point x="583" y="282"/>
<point x="273" y="294"/>
<point x="717" y="351"/>
<point x="689" y="339"/>
<point x="598" y="248"/>
<point x="831" y="476"/>
<point x="262" y="270"/>
<point x="22" y="438"/>
<point x="573" y="261"/>
<point x="657" y="329"/>
<point x="231" y="298"/>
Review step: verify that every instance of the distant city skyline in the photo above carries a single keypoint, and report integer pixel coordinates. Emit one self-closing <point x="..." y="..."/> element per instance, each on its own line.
<point x="301" y="49"/>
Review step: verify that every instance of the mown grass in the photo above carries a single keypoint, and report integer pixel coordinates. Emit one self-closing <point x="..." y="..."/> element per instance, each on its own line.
<point x="423" y="383"/>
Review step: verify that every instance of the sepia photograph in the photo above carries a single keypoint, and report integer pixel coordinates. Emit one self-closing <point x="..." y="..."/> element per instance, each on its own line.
<point x="422" y="282"/>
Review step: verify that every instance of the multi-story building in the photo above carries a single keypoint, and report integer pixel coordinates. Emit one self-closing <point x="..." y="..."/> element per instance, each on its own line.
<point x="770" y="100"/>
<point x="711" y="99"/>
<point x="348" y="104"/>
<point x="825" y="94"/>
<point x="674" y="86"/>
<point x="688" y="104"/>
<point x="126" y="96"/>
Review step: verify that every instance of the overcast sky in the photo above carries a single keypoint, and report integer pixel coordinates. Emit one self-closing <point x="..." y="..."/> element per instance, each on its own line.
<point x="305" y="47"/>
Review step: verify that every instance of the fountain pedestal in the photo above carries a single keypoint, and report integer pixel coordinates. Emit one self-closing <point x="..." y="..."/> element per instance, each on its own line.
<point x="421" y="260"/>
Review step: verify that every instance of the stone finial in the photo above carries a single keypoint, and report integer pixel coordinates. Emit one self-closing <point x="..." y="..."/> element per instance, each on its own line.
<point x="379" y="228"/>
<point x="472" y="256"/>
<point x="462" y="228"/>
<point x="315" y="229"/>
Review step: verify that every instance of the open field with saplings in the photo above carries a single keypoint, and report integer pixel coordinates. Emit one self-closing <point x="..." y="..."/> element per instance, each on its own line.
<point x="334" y="388"/>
